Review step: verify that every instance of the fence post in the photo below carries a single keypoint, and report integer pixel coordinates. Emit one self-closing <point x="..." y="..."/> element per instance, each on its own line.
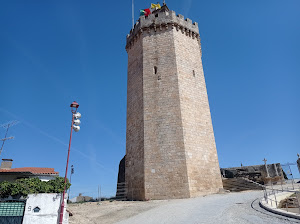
<point x="275" y="199"/>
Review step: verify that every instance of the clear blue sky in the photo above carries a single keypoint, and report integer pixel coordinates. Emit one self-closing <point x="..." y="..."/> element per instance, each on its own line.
<point x="54" y="52"/>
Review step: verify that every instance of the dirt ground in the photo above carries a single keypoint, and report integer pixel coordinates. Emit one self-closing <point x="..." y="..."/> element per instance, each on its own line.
<point x="108" y="212"/>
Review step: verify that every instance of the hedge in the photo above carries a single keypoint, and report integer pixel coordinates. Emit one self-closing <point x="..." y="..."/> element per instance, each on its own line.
<point x="23" y="187"/>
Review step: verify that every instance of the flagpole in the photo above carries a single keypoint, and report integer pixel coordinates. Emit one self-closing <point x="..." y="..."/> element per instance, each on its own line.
<point x="132" y="14"/>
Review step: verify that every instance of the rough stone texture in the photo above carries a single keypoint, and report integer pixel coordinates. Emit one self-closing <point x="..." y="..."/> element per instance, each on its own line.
<point x="121" y="193"/>
<point x="170" y="148"/>
<point x="134" y="172"/>
<point x="255" y="173"/>
<point x="121" y="174"/>
<point x="6" y="164"/>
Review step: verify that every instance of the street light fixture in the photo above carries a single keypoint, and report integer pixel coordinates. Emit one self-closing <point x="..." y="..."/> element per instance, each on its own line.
<point x="75" y="125"/>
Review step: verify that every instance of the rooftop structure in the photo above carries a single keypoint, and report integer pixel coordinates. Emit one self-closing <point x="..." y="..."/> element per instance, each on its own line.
<point x="11" y="174"/>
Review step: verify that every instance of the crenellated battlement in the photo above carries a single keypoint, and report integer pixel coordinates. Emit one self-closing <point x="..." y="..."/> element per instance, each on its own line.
<point x="162" y="19"/>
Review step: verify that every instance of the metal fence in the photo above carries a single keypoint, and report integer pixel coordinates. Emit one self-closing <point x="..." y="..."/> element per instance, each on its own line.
<point x="284" y="195"/>
<point x="12" y="211"/>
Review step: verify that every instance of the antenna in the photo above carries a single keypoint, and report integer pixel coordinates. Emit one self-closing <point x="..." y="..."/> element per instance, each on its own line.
<point x="164" y="2"/>
<point x="7" y="126"/>
<point x="132" y="14"/>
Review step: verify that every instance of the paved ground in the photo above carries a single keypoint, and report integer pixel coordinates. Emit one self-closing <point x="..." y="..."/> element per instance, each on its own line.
<point x="231" y="208"/>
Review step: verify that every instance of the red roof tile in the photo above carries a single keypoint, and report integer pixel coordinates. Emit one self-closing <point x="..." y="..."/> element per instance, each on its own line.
<point x="34" y="170"/>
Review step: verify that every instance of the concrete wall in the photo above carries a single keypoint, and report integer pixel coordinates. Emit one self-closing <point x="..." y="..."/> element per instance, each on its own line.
<point x="49" y="205"/>
<point x="81" y="198"/>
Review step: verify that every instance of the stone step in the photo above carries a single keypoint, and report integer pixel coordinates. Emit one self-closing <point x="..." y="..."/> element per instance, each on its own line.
<point x="240" y="184"/>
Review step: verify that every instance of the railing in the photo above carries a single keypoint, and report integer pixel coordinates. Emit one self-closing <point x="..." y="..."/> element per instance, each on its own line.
<point x="277" y="194"/>
<point x="280" y="194"/>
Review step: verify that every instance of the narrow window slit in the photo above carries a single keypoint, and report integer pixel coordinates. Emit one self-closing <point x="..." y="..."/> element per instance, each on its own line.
<point x="155" y="70"/>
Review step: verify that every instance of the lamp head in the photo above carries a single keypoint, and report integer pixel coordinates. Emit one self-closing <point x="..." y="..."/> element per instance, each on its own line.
<point x="74" y="105"/>
<point x="77" y="122"/>
<point x="77" y="115"/>
<point x="76" y="128"/>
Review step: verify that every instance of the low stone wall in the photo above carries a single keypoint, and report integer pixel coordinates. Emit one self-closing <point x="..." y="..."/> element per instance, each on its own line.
<point x="256" y="173"/>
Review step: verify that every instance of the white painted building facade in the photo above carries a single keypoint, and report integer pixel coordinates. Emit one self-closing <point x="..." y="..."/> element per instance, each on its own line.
<point x="44" y="209"/>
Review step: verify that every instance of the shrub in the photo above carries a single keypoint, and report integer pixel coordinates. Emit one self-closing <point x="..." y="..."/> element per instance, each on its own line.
<point x="23" y="187"/>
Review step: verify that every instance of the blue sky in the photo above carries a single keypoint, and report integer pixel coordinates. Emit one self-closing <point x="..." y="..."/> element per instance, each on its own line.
<point x="55" y="52"/>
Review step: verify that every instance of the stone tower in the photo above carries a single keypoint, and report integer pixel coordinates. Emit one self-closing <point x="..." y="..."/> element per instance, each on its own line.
<point x="170" y="144"/>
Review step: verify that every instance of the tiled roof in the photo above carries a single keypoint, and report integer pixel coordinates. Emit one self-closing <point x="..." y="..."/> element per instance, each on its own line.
<point x="34" y="170"/>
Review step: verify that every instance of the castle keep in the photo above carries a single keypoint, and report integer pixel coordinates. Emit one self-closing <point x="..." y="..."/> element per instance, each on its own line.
<point x="170" y="144"/>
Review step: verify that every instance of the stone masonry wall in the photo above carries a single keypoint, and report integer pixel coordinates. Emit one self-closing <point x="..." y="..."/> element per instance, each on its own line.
<point x="165" y="164"/>
<point x="199" y="142"/>
<point x="134" y="171"/>
<point x="170" y="145"/>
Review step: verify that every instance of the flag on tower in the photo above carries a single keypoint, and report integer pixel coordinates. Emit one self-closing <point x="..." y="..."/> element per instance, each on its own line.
<point x="155" y="6"/>
<point x="147" y="12"/>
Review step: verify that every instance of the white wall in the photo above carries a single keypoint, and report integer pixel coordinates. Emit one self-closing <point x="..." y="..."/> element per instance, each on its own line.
<point x="46" y="177"/>
<point x="49" y="205"/>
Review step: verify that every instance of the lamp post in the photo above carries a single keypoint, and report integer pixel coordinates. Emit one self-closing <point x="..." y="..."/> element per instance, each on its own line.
<point x="75" y="125"/>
